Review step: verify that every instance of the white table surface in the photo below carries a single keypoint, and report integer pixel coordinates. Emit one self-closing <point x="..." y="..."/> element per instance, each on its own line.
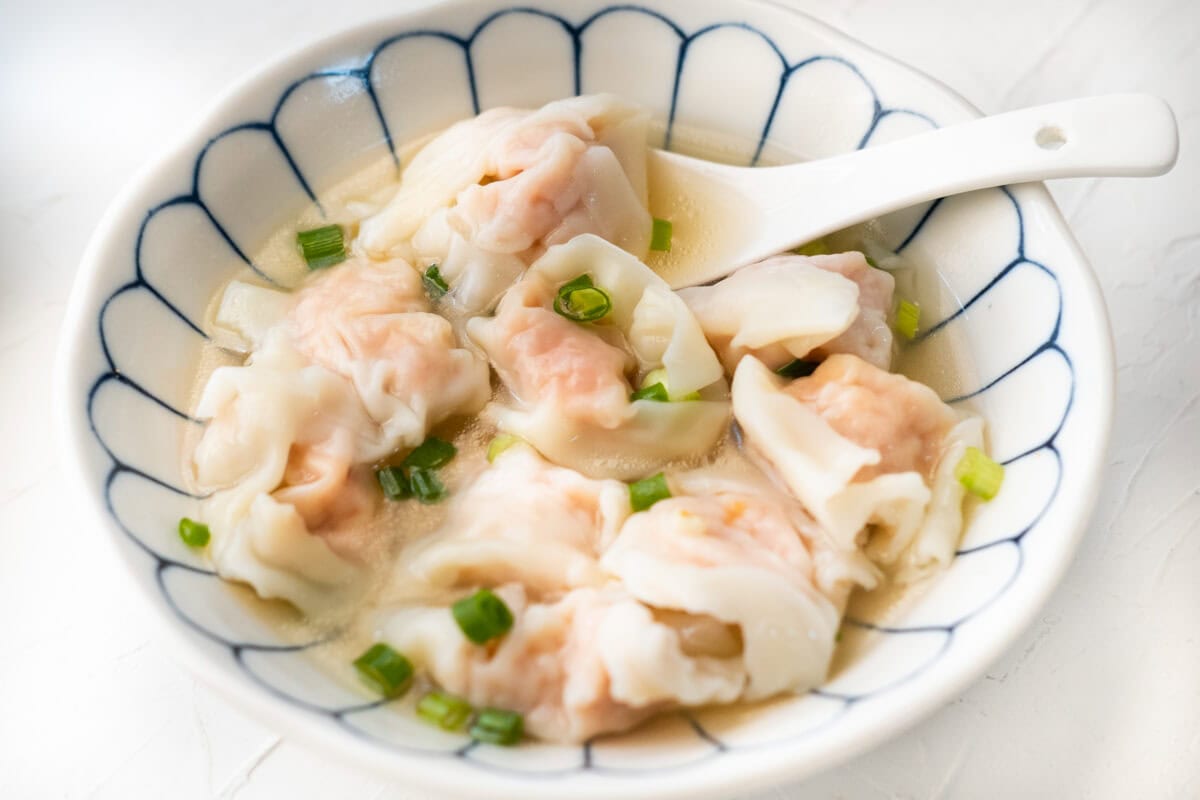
<point x="1101" y="698"/>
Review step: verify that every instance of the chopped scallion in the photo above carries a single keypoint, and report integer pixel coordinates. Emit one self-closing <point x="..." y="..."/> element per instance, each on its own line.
<point x="394" y="483"/>
<point x="660" y="235"/>
<point x="482" y="617"/>
<point x="979" y="474"/>
<point x="581" y="301"/>
<point x="583" y="281"/>
<point x="798" y="368"/>
<point x="426" y="486"/>
<point x="435" y="284"/>
<point x="656" y="376"/>
<point x="816" y="247"/>
<point x="194" y="534"/>
<point x="870" y="262"/>
<point x="446" y="711"/>
<point x="497" y="726"/>
<point x="655" y="391"/>
<point x="431" y="454"/>
<point x="500" y="443"/>
<point x="384" y="670"/>
<point x="587" y="305"/>
<point x="648" y="491"/>
<point x="908" y="319"/>
<point x="655" y="387"/>
<point x="322" y="247"/>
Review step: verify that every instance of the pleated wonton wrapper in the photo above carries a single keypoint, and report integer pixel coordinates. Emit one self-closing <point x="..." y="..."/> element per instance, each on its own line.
<point x="525" y="520"/>
<point x="915" y="520"/>
<point x="486" y="197"/>
<point x="612" y="436"/>
<point x="776" y="310"/>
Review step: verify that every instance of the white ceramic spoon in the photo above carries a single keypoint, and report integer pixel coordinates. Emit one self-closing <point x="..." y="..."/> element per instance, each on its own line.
<point x="726" y="217"/>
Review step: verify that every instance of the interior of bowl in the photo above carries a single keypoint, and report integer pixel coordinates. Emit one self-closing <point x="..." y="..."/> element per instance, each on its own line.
<point x="1019" y="323"/>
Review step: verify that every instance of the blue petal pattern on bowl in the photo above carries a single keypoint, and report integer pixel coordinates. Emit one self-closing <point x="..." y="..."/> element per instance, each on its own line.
<point x="368" y="113"/>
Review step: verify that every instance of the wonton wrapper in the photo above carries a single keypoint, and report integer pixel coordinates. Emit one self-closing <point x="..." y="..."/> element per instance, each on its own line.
<point x="737" y="558"/>
<point x="818" y="465"/>
<point x="488" y="195"/>
<point x="660" y="330"/>
<point x="257" y="414"/>
<point x="522" y="520"/>
<point x="870" y="336"/>
<point x="776" y="310"/>
<point x="372" y="323"/>
<point x="346" y="370"/>
<point x="246" y="313"/>
<point x="935" y="544"/>
<point x="836" y="572"/>
<point x="593" y="662"/>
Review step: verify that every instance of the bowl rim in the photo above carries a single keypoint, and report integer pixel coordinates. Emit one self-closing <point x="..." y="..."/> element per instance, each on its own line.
<point x="292" y="721"/>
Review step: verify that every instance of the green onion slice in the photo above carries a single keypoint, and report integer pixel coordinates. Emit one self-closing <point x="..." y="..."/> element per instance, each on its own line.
<point x="482" y="617"/>
<point x="194" y="534"/>
<point x="497" y="726"/>
<point x="798" y="368"/>
<point x="431" y="454"/>
<point x="648" y="491"/>
<point x="979" y="474"/>
<point x="660" y="235"/>
<point x="394" y="483"/>
<point x="435" y="284"/>
<point x="656" y="376"/>
<point x="322" y="247"/>
<point x="655" y="391"/>
<point x="580" y="301"/>
<point x="871" y="262"/>
<point x="584" y="281"/>
<point x="908" y="319"/>
<point x="447" y="711"/>
<point x="500" y="443"/>
<point x="817" y="247"/>
<point x="427" y="487"/>
<point x="384" y="670"/>
<point x="655" y="387"/>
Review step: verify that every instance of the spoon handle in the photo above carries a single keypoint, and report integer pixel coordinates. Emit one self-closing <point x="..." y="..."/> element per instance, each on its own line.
<point x="1110" y="135"/>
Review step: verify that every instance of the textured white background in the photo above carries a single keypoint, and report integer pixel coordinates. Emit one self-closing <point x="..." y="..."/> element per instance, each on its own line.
<point x="1101" y="698"/>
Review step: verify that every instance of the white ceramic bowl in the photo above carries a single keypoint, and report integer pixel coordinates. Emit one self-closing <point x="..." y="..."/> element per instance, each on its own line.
<point x="1032" y="323"/>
